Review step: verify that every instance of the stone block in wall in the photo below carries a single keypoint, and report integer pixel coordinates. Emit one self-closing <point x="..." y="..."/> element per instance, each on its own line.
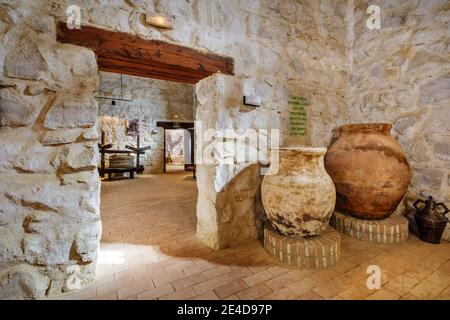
<point x="57" y="137"/>
<point x="44" y="193"/>
<point x="71" y="110"/>
<point x="404" y="122"/>
<point x="17" y="110"/>
<point x="436" y="90"/>
<point x="418" y="147"/>
<point x="25" y="61"/>
<point x="55" y="239"/>
<point x="22" y="282"/>
<point x="87" y="241"/>
<point x="80" y="156"/>
<point x="84" y="177"/>
<point x="428" y="180"/>
<point x="10" y="243"/>
<point x="20" y="150"/>
<point x="441" y="147"/>
<point x="44" y="250"/>
<point x="438" y="120"/>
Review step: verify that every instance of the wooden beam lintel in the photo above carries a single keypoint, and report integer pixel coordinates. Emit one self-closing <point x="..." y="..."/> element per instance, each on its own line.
<point x="124" y="53"/>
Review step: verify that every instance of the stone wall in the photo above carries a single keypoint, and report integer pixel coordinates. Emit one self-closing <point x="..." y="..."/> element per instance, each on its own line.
<point x="287" y="48"/>
<point x="401" y="74"/>
<point x="49" y="190"/>
<point x="151" y="101"/>
<point x="49" y="186"/>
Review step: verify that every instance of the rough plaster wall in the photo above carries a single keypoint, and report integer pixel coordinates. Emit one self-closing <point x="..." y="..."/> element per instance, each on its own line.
<point x="152" y="100"/>
<point x="49" y="185"/>
<point x="401" y="74"/>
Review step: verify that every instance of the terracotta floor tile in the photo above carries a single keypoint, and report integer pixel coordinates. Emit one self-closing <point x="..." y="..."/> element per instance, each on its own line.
<point x="233" y="297"/>
<point x="355" y="292"/>
<point x="218" y="271"/>
<point x="210" y="285"/>
<point x="230" y="288"/>
<point x="188" y="281"/>
<point x="302" y="286"/>
<point x="324" y="275"/>
<point x="169" y="277"/>
<point x="254" y="292"/>
<point x="276" y="271"/>
<point x="258" y="278"/>
<point x="383" y="294"/>
<point x="309" y="296"/>
<point x="331" y="288"/>
<point x="402" y="284"/>
<point x="183" y="294"/>
<point x="280" y="281"/>
<point x="343" y="266"/>
<point x="210" y="295"/>
<point x="138" y="287"/>
<point x="155" y="293"/>
<point x="113" y="287"/>
<point x="149" y="238"/>
<point x="283" y="294"/>
<point x="427" y="289"/>
<point x="439" y="277"/>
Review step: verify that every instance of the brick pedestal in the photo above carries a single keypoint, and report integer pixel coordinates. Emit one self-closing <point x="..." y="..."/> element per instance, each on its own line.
<point x="300" y="252"/>
<point x="391" y="230"/>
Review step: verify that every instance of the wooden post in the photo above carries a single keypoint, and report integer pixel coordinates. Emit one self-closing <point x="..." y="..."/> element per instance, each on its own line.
<point x="164" y="149"/>
<point x="102" y="156"/>
<point x="138" y="143"/>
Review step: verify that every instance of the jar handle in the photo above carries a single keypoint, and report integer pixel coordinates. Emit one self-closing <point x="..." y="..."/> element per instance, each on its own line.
<point x="443" y="206"/>
<point x="416" y="204"/>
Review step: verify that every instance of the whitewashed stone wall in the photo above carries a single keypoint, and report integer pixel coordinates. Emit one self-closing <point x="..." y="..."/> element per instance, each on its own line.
<point x="151" y="101"/>
<point x="401" y="74"/>
<point x="49" y="186"/>
<point x="280" y="48"/>
<point x="49" y="191"/>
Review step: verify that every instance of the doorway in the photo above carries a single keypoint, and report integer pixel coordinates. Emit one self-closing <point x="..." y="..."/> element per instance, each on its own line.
<point x="151" y="219"/>
<point x="175" y="149"/>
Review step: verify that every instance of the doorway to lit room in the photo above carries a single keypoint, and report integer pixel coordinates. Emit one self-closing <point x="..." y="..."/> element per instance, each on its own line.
<point x="175" y="150"/>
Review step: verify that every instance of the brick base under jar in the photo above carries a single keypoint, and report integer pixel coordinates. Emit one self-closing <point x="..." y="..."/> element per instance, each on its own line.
<point x="303" y="252"/>
<point x="390" y="230"/>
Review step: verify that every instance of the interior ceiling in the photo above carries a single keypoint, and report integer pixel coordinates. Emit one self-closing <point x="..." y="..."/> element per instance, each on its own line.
<point x="123" y="53"/>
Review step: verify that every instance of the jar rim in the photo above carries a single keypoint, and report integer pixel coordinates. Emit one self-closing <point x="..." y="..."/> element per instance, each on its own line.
<point x="303" y="150"/>
<point x="366" y="127"/>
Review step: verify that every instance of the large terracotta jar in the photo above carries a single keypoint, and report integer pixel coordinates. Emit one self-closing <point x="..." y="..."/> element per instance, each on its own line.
<point x="369" y="169"/>
<point x="298" y="194"/>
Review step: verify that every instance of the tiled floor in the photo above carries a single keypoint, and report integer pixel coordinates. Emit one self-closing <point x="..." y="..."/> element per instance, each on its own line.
<point x="149" y="251"/>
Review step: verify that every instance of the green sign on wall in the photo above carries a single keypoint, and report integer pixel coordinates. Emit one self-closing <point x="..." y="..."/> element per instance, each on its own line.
<point x="297" y="115"/>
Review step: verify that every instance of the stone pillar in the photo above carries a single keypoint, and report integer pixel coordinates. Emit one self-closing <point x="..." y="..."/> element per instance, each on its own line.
<point x="225" y="207"/>
<point x="49" y="186"/>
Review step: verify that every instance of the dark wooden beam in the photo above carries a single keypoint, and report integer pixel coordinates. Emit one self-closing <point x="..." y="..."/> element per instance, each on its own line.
<point x="143" y="70"/>
<point x="124" y="53"/>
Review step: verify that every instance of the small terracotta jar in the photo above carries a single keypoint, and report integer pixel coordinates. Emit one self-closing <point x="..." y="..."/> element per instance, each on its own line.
<point x="298" y="194"/>
<point x="369" y="169"/>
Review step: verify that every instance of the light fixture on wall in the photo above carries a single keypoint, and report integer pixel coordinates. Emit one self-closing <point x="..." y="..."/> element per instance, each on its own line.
<point x="158" y="20"/>
<point x="250" y="103"/>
